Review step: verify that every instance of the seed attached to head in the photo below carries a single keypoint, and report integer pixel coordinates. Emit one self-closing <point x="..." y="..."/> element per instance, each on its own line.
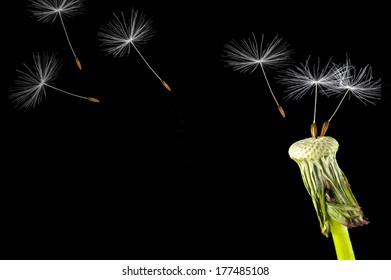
<point x="314" y="130"/>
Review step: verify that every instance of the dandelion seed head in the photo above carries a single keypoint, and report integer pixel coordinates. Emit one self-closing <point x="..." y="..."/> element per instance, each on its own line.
<point x="358" y="83"/>
<point x="303" y="79"/>
<point x="49" y="10"/>
<point x="29" y="87"/>
<point x="247" y="55"/>
<point x="121" y="33"/>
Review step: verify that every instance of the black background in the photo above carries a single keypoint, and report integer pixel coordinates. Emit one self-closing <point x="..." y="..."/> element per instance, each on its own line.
<point x="201" y="172"/>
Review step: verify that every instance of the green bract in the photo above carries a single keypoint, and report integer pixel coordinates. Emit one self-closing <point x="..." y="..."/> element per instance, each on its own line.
<point x="326" y="183"/>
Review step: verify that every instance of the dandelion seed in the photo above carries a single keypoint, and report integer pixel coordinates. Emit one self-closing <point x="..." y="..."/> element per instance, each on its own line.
<point x="50" y="10"/>
<point x="121" y="34"/>
<point x="30" y="86"/>
<point x="352" y="82"/>
<point x="246" y="56"/>
<point x="304" y="79"/>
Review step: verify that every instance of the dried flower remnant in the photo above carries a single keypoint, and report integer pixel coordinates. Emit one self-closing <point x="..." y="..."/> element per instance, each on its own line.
<point x="121" y="34"/>
<point x="30" y="86"/>
<point x="306" y="78"/>
<point x="336" y="207"/>
<point x="50" y="10"/>
<point x="247" y="55"/>
<point x="352" y="82"/>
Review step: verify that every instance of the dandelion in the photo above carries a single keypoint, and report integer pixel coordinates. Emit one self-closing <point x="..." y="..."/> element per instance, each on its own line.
<point x="50" y="10"/>
<point x="357" y="83"/>
<point x="304" y="79"/>
<point x="30" y="86"/>
<point x="247" y="55"/>
<point x="336" y="207"/>
<point x="122" y="34"/>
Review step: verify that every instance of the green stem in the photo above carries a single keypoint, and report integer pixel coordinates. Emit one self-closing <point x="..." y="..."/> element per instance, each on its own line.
<point x="342" y="243"/>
